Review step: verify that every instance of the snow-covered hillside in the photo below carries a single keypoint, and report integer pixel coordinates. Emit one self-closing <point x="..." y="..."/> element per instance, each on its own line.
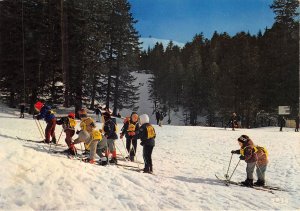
<point x="186" y="160"/>
<point x="146" y="106"/>
<point x="149" y="42"/>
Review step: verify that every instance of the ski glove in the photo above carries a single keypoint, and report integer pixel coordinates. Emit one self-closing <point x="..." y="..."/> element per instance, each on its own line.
<point x="242" y="157"/>
<point x="235" y="151"/>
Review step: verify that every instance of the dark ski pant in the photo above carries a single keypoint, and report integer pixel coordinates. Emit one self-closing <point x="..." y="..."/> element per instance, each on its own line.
<point x="129" y="142"/>
<point x="147" y="153"/>
<point x="157" y="121"/>
<point x="50" y="130"/>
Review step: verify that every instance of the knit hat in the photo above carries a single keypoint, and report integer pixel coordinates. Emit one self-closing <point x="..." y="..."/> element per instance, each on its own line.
<point x="71" y="115"/>
<point x="144" y="118"/>
<point x="243" y="138"/>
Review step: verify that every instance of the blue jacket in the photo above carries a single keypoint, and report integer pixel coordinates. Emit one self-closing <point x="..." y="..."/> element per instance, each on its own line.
<point x="46" y="114"/>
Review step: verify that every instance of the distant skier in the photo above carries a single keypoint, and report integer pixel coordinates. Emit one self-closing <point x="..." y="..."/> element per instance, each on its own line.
<point x="157" y="116"/>
<point x="22" y="109"/>
<point x="129" y="129"/>
<point x="147" y="135"/>
<point x="68" y="123"/>
<point x="253" y="156"/>
<point x="281" y="122"/>
<point x="232" y="122"/>
<point x="98" y="114"/>
<point x="48" y="115"/>
<point x="162" y="116"/>
<point x="297" y="123"/>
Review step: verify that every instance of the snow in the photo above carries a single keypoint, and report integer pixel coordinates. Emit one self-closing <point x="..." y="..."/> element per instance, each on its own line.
<point x="185" y="162"/>
<point x="146" y="106"/>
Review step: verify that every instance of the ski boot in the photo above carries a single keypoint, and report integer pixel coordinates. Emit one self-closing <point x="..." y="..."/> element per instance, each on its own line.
<point x="103" y="161"/>
<point x="113" y="160"/>
<point x="151" y="169"/>
<point x="248" y="182"/>
<point x="259" y="183"/>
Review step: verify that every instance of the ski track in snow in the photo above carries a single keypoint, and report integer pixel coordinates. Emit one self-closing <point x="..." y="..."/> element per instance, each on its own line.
<point x="185" y="162"/>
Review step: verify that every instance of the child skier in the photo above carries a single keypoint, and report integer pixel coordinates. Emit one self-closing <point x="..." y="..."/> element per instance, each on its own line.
<point x="248" y="154"/>
<point x="109" y="129"/>
<point x="22" y="109"/>
<point x="90" y="136"/>
<point x="68" y="123"/>
<point x="82" y="113"/>
<point x="130" y="128"/>
<point x="48" y="115"/>
<point x="253" y="155"/>
<point x="147" y="135"/>
<point x="98" y="114"/>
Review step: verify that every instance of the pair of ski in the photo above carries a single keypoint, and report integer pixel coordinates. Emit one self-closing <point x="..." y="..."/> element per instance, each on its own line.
<point x="128" y="160"/>
<point x="131" y="168"/>
<point x="266" y="188"/>
<point x="72" y="157"/>
<point x="37" y="142"/>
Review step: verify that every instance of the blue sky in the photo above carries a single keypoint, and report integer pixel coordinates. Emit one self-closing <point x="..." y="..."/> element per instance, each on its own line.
<point x="180" y="20"/>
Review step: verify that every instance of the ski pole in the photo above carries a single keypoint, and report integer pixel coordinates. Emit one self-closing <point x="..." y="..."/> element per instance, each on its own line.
<point x="226" y="175"/>
<point x="39" y="130"/>
<point x="234" y="170"/>
<point x="125" y="148"/>
<point x="120" y="151"/>
<point x="107" y="151"/>
<point x="40" y="125"/>
<point x="135" y="157"/>
<point x="59" y="136"/>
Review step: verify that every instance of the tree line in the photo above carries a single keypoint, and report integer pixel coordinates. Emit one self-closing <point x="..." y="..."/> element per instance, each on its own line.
<point x="68" y="52"/>
<point x="243" y="73"/>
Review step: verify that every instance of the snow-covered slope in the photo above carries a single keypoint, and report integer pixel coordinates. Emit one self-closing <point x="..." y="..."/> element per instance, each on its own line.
<point x="146" y="106"/>
<point x="149" y="42"/>
<point x="186" y="160"/>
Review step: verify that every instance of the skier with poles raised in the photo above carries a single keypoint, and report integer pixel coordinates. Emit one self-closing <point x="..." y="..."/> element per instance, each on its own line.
<point x="129" y="129"/>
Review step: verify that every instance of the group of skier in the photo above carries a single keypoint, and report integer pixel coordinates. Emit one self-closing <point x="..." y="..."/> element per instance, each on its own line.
<point x="101" y="142"/>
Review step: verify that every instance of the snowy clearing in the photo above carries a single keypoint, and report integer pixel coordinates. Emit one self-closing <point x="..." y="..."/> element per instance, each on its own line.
<point x="186" y="160"/>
